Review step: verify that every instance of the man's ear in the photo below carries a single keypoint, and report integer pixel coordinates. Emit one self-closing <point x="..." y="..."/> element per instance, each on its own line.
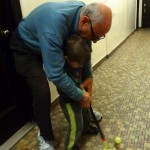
<point x="84" y="23"/>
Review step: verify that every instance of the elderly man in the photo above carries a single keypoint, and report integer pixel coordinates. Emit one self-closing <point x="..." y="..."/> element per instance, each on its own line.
<point x="39" y="41"/>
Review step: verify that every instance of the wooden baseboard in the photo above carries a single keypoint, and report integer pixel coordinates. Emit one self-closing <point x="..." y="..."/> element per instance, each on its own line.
<point x="99" y="63"/>
<point x="55" y="103"/>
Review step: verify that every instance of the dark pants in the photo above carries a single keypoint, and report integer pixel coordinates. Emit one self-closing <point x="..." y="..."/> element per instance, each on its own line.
<point x="30" y="66"/>
<point x="78" y="120"/>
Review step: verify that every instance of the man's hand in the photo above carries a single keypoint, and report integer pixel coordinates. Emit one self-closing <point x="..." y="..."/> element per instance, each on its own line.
<point x="87" y="84"/>
<point x="86" y="101"/>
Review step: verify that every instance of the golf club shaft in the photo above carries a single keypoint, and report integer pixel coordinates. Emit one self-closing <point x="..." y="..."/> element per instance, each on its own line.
<point x="98" y="126"/>
<point x="96" y="122"/>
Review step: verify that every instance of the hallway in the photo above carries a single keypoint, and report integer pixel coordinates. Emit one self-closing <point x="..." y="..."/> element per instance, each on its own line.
<point x="121" y="92"/>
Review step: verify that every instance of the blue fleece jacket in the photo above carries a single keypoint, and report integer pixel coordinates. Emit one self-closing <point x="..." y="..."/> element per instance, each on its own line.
<point x="44" y="31"/>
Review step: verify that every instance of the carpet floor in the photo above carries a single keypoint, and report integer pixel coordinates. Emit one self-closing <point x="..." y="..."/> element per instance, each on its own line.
<point x="121" y="92"/>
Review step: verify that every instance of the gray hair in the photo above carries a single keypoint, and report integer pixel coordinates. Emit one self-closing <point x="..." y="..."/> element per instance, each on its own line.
<point x="93" y="12"/>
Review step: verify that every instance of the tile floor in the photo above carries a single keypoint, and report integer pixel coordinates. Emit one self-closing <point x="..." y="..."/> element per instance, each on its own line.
<point x="121" y="92"/>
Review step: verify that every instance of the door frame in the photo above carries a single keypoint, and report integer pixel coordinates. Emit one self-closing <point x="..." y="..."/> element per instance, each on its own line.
<point x="137" y="15"/>
<point x="140" y="13"/>
<point x="16" y="10"/>
<point x="11" y="117"/>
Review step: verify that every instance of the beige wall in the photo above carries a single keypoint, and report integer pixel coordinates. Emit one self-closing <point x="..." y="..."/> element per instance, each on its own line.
<point x="123" y="24"/>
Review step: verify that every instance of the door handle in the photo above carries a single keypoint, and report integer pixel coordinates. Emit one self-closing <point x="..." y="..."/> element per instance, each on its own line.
<point x="4" y="33"/>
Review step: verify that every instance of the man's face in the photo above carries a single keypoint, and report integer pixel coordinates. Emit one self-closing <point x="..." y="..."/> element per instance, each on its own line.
<point x="94" y="31"/>
<point x="95" y="36"/>
<point x="97" y="31"/>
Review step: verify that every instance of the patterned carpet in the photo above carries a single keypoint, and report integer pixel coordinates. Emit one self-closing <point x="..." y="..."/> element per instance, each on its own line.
<point x="121" y="92"/>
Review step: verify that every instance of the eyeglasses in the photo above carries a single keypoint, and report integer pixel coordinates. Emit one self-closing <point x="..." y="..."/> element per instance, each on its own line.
<point x="94" y="37"/>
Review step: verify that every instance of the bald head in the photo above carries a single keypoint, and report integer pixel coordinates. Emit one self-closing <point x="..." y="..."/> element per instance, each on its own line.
<point x="99" y="14"/>
<point x="106" y="13"/>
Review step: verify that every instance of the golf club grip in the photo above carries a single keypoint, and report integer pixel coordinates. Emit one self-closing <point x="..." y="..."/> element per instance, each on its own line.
<point x="98" y="126"/>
